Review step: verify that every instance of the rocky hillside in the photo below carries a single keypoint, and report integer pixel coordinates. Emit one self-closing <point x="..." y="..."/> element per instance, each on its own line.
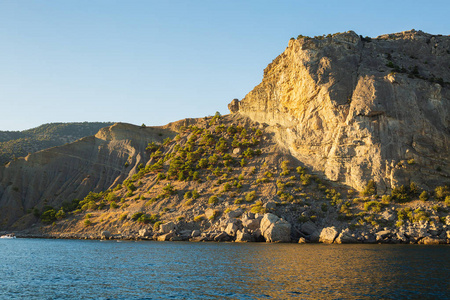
<point x="359" y="109"/>
<point x="15" y="144"/>
<point x="345" y="140"/>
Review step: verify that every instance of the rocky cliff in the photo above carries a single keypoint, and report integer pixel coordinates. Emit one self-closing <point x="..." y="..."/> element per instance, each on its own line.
<point x="357" y="109"/>
<point x="63" y="173"/>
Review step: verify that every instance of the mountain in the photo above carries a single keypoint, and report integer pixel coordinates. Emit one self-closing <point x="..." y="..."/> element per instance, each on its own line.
<point x="359" y="109"/>
<point x="345" y="140"/>
<point x="15" y="144"/>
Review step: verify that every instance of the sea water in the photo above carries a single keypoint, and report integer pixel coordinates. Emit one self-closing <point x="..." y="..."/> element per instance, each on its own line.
<point x="91" y="269"/>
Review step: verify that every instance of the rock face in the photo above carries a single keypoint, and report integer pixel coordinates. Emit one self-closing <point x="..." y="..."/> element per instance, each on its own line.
<point x="357" y="109"/>
<point x="63" y="173"/>
<point x="275" y="229"/>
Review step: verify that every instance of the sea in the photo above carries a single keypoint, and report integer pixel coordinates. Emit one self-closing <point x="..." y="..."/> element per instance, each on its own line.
<point x="93" y="269"/>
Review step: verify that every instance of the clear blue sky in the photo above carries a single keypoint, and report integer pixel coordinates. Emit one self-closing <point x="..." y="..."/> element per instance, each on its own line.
<point x="154" y="62"/>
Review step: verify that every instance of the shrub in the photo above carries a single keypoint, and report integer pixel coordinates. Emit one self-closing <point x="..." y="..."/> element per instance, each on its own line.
<point x="441" y="192"/>
<point x="157" y="225"/>
<point x="87" y="222"/>
<point x="199" y="218"/>
<point x="136" y="216"/>
<point x="258" y="208"/>
<point x="113" y="205"/>
<point x="370" y="189"/>
<point x="250" y="196"/>
<point x="60" y="214"/>
<point x="213" y="200"/>
<point x="374" y="205"/>
<point x="424" y="196"/>
<point x="123" y="217"/>
<point x="400" y="194"/>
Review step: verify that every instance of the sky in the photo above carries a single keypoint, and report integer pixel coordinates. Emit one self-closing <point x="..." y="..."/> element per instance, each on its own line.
<point x="155" y="62"/>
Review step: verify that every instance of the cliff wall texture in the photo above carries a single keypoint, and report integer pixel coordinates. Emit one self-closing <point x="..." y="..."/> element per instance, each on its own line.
<point x="357" y="109"/>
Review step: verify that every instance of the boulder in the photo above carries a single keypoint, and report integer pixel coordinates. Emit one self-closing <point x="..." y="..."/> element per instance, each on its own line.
<point x="328" y="235"/>
<point x="209" y="213"/>
<point x="166" y="228"/>
<point x="195" y="233"/>
<point x="235" y="213"/>
<point x="302" y="240"/>
<point x="345" y="237"/>
<point x="165" y="237"/>
<point x="308" y="228"/>
<point x="275" y="229"/>
<point x="145" y="232"/>
<point x="251" y="224"/>
<point x="431" y="241"/>
<point x="270" y="205"/>
<point x="231" y="229"/>
<point x="381" y="235"/>
<point x="221" y="237"/>
<point x="105" y="234"/>
<point x="242" y="236"/>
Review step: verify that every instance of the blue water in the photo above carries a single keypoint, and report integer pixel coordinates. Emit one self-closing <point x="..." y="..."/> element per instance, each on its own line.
<point x="83" y="269"/>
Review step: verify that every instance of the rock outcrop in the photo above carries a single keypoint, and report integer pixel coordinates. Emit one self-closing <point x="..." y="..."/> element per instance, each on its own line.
<point x="356" y="109"/>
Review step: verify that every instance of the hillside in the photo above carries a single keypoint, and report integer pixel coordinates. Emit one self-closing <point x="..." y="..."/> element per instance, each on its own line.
<point x="344" y="141"/>
<point x="15" y="144"/>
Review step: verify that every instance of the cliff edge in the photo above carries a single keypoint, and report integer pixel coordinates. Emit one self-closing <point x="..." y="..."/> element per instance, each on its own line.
<point x="359" y="109"/>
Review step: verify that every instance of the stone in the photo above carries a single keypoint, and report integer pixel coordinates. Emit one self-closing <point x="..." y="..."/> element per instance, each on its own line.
<point x="328" y="235"/>
<point x="222" y="236"/>
<point x="242" y="236"/>
<point x="308" y="228"/>
<point x="145" y="233"/>
<point x="388" y="216"/>
<point x="431" y="241"/>
<point x="345" y="237"/>
<point x="381" y="235"/>
<point x="302" y="240"/>
<point x="195" y="233"/>
<point x="236" y="151"/>
<point x="235" y="213"/>
<point x="231" y="229"/>
<point x="166" y="227"/>
<point x="209" y="213"/>
<point x="270" y="205"/>
<point x="275" y="229"/>
<point x="165" y="237"/>
<point x="251" y="224"/>
<point x="105" y="234"/>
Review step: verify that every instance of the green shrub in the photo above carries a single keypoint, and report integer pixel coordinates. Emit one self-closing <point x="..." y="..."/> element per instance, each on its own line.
<point x="213" y="200"/>
<point x="400" y="194"/>
<point x="250" y="196"/>
<point x="157" y="225"/>
<point x="48" y="216"/>
<point x="123" y="217"/>
<point x="370" y="189"/>
<point x="424" y="196"/>
<point x="87" y="223"/>
<point x="199" y="218"/>
<point x="113" y="205"/>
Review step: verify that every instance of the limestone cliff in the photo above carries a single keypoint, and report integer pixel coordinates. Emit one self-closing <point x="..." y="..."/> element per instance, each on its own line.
<point x="59" y="174"/>
<point x="358" y="108"/>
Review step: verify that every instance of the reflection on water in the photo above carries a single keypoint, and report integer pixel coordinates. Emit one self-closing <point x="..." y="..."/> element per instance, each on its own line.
<point x="151" y="270"/>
